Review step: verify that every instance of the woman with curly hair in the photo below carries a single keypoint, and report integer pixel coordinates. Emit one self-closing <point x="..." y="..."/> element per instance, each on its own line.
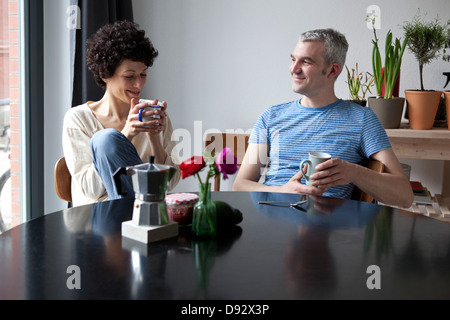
<point x="101" y="136"/>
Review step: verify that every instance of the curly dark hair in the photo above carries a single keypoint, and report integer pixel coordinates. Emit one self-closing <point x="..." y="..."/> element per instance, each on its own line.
<point x="114" y="43"/>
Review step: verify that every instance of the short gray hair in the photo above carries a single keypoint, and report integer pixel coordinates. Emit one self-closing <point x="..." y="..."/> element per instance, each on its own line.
<point x="336" y="45"/>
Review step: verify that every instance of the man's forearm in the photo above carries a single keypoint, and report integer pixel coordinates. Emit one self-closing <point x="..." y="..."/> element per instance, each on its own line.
<point x="248" y="185"/>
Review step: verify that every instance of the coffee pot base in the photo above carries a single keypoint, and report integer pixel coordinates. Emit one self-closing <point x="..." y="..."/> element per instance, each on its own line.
<point x="148" y="234"/>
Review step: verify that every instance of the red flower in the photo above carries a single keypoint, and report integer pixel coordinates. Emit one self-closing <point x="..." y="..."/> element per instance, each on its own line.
<point x="191" y="166"/>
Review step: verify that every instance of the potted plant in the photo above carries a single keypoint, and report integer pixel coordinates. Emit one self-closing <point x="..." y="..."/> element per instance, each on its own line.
<point x="389" y="109"/>
<point x="425" y="40"/>
<point x="358" y="85"/>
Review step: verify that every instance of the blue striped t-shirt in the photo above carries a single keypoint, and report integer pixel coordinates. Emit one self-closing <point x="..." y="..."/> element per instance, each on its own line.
<point x="343" y="129"/>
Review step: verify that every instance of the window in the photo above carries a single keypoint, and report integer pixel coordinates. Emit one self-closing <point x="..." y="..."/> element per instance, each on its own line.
<point x="8" y="76"/>
<point x="21" y="41"/>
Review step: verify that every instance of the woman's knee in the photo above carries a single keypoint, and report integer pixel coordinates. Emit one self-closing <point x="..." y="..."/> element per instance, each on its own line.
<point x="107" y="141"/>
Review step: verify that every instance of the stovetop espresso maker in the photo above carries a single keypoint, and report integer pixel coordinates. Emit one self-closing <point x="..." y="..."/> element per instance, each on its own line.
<point x="150" y="220"/>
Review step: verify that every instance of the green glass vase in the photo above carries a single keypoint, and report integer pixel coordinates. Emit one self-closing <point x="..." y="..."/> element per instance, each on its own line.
<point x="204" y="254"/>
<point x="204" y="221"/>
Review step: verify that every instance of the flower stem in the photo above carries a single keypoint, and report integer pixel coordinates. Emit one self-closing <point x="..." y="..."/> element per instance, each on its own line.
<point x="199" y="179"/>
<point x="205" y="201"/>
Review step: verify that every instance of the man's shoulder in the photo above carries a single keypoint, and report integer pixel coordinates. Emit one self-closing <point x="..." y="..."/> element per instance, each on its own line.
<point x="285" y="104"/>
<point x="281" y="107"/>
<point x="354" y="109"/>
<point x="275" y="113"/>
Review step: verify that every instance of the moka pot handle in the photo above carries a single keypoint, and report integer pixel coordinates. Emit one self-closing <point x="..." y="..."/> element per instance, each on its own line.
<point x="117" y="180"/>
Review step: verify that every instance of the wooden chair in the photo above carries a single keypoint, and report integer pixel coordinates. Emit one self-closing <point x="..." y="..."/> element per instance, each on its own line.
<point x="63" y="180"/>
<point x="360" y="195"/>
<point x="237" y="142"/>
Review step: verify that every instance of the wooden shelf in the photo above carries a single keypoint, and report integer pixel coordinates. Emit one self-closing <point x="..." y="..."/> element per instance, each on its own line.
<point x="431" y="144"/>
<point x="438" y="210"/>
<point x="420" y="144"/>
<point x="435" y="133"/>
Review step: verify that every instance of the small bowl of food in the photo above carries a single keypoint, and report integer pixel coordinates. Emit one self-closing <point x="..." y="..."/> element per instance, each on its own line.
<point x="180" y="207"/>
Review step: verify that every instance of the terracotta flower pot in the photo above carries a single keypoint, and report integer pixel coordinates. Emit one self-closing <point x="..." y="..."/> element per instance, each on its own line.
<point x="447" y="106"/>
<point x="422" y="108"/>
<point x="388" y="111"/>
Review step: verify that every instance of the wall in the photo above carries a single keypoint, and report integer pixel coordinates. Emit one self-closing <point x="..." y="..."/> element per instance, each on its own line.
<point x="57" y="92"/>
<point x="223" y="62"/>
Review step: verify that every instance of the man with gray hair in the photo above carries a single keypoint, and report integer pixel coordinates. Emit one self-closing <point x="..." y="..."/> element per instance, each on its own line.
<point x="284" y="134"/>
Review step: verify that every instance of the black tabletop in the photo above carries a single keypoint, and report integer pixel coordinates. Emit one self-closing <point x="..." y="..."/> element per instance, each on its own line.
<point x="326" y="249"/>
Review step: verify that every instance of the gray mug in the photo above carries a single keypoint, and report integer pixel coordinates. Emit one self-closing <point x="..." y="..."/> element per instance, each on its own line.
<point x="315" y="158"/>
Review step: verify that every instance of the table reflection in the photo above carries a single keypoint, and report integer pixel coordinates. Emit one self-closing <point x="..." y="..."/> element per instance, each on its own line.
<point x="144" y="264"/>
<point x="102" y="218"/>
<point x="310" y="265"/>
<point x="309" y="261"/>
<point x="318" y="211"/>
<point x="321" y="251"/>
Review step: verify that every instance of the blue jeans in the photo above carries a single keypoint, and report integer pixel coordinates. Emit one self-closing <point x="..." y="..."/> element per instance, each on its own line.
<point x="111" y="150"/>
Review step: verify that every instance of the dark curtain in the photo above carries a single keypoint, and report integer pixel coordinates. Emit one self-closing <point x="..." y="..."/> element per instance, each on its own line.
<point x="94" y="14"/>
